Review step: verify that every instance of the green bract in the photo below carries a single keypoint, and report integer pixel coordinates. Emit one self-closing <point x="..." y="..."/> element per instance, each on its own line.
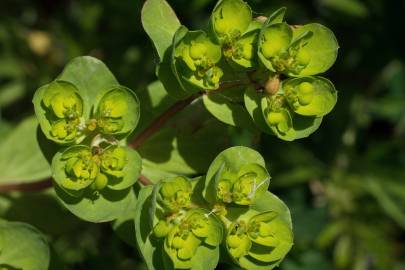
<point x="83" y="101"/>
<point x="263" y="238"/>
<point x="236" y="175"/>
<point x="230" y="19"/>
<point x="118" y="111"/>
<point x="310" y="96"/>
<point x="283" y="122"/>
<point x="59" y="108"/>
<point x="195" y="59"/>
<point x="318" y="52"/>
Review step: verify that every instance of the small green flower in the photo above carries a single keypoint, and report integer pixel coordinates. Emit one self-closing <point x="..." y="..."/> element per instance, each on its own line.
<point x="196" y="60"/>
<point x="82" y="168"/>
<point x="176" y="193"/>
<point x="111" y="110"/>
<point x="263" y="237"/>
<point x="277" y="115"/>
<point x="310" y="96"/>
<point x="242" y="187"/>
<point x="63" y="100"/>
<point x="230" y="19"/>
<point x="65" y="129"/>
<point x="185" y="236"/>
<point x="113" y="161"/>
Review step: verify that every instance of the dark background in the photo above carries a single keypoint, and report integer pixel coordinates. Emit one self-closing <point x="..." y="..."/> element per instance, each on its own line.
<point x="345" y="185"/>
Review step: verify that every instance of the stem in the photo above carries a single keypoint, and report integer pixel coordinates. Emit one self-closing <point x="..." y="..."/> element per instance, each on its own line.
<point x="137" y="142"/>
<point x="160" y="121"/>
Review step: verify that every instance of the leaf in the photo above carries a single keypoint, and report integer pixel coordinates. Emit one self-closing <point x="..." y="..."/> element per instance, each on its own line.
<point x="172" y="150"/>
<point x="226" y="110"/>
<point x="151" y="250"/>
<point x="276" y="17"/>
<point x="23" y="247"/>
<point x="124" y="225"/>
<point x="252" y="103"/>
<point x="21" y="159"/>
<point x="233" y="159"/>
<point x="108" y="205"/>
<point x="160" y="23"/>
<point x="322" y="49"/>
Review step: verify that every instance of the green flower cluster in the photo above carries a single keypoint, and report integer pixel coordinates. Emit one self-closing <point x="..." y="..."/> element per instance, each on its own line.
<point x="186" y="228"/>
<point x="229" y="209"/>
<point x="277" y="60"/>
<point x="90" y="125"/>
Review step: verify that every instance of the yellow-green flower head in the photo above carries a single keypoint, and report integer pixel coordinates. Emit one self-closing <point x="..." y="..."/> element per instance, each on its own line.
<point x="199" y="56"/>
<point x="112" y="108"/>
<point x="63" y="100"/>
<point x="264" y="237"/>
<point x="65" y="129"/>
<point x="113" y="161"/>
<point x="243" y="187"/>
<point x="277" y="115"/>
<point x="230" y="19"/>
<point x="176" y="193"/>
<point x="82" y="169"/>
<point x="310" y="96"/>
<point x="196" y="228"/>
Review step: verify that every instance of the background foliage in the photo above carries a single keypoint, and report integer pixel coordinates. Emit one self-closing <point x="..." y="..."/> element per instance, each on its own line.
<point x="345" y="184"/>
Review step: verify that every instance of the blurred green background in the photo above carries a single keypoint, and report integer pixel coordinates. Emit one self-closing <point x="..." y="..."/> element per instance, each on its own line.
<point x="345" y="185"/>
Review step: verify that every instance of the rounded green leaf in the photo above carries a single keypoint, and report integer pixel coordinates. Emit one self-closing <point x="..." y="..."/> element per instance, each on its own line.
<point x="195" y="59"/>
<point x="252" y="101"/>
<point x="318" y="53"/>
<point x="230" y="19"/>
<point x="22" y="247"/>
<point x="225" y="106"/>
<point x="232" y="160"/>
<point x="61" y="111"/>
<point x="310" y="96"/>
<point x="100" y="206"/>
<point x="117" y="112"/>
<point x="293" y="126"/>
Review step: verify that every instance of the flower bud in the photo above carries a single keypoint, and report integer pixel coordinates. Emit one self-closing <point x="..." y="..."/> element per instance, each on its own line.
<point x="161" y="229"/>
<point x="281" y="120"/>
<point x="100" y="182"/>
<point x="64" y="130"/>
